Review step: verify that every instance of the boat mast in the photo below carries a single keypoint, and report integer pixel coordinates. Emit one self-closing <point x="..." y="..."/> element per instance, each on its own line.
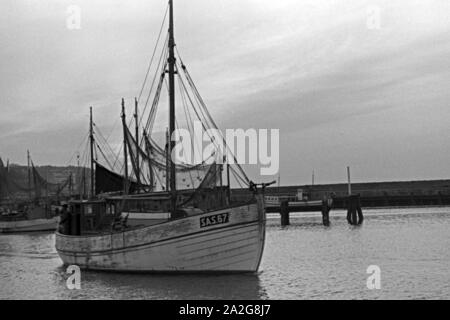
<point x="152" y="183"/>
<point x="46" y="191"/>
<point x="79" y="177"/>
<point x="70" y="185"/>
<point x="167" y="160"/>
<point x="172" y="62"/>
<point x="84" y="181"/>
<point x="29" y="173"/>
<point x="138" y="170"/>
<point x="228" y="183"/>
<point x="125" y="150"/>
<point x="91" y="139"/>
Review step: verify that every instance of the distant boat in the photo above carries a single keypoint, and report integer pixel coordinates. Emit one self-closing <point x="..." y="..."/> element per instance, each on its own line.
<point x="275" y="202"/>
<point x="299" y="202"/>
<point x="18" y="223"/>
<point x="190" y="225"/>
<point x="19" y="214"/>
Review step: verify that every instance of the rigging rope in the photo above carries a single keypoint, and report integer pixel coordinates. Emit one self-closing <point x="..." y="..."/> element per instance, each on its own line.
<point x="153" y="55"/>
<point x="214" y="125"/>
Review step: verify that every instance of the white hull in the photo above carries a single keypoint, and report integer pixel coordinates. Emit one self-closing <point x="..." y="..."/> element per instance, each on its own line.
<point x="35" y="225"/>
<point x="182" y="245"/>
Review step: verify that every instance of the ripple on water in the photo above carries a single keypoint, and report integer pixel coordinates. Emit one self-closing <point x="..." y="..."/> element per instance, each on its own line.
<point x="302" y="261"/>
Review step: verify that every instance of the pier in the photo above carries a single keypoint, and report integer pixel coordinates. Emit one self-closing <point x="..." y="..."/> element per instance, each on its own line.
<point x="351" y="197"/>
<point x="285" y="208"/>
<point x="372" y="195"/>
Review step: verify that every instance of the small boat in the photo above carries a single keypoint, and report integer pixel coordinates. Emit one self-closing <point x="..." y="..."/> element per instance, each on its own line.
<point x="27" y="217"/>
<point x="275" y="202"/>
<point x="16" y="224"/>
<point x="299" y="202"/>
<point x="191" y="224"/>
<point x="19" y="210"/>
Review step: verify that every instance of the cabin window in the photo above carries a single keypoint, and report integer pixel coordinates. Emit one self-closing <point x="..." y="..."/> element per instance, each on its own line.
<point x="88" y="210"/>
<point x="110" y="209"/>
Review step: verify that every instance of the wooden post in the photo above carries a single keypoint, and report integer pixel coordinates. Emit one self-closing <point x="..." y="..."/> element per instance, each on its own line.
<point x="284" y="211"/>
<point x="354" y="211"/>
<point x="360" y="213"/>
<point x="325" y="212"/>
<point x="349" y="182"/>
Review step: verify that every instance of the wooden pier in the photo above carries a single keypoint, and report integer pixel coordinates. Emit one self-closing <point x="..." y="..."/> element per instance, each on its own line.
<point x="372" y="195"/>
<point x="354" y="210"/>
<point x="285" y="208"/>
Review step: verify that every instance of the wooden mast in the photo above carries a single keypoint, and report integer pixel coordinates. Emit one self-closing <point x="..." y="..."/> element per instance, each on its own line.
<point x="70" y="185"/>
<point x="136" y="118"/>
<point x="228" y="183"/>
<point x="167" y="161"/>
<point x="125" y="150"/>
<point x="91" y="139"/>
<point x="46" y="192"/>
<point x="29" y="173"/>
<point x="84" y="181"/>
<point x="79" y="177"/>
<point x="171" y="62"/>
<point x="152" y="183"/>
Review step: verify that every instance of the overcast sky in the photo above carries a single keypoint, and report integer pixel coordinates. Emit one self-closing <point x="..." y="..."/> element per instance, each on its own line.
<point x="340" y="93"/>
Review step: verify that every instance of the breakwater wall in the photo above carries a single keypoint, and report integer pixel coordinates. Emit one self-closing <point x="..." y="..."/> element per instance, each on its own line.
<point x="373" y="194"/>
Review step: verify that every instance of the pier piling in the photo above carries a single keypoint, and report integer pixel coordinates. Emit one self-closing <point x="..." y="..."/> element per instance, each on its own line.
<point x="284" y="212"/>
<point x="354" y="212"/>
<point x="326" y="212"/>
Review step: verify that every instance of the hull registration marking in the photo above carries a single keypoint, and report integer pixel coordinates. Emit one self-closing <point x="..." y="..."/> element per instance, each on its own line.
<point x="214" y="220"/>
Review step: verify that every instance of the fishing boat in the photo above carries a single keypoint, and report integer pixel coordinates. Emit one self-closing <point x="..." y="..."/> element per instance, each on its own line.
<point x="177" y="216"/>
<point x="18" y="222"/>
<point x="23" y="209"/>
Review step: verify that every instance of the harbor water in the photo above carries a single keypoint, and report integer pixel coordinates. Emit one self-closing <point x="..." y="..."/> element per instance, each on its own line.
<point x="306" y="260"/>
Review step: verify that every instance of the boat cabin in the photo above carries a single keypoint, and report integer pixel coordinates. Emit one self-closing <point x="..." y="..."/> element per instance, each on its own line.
<point x="122" y="212"/>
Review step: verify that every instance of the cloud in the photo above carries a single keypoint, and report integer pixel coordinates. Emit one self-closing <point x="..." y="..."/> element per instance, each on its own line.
<point x="339" y="92"/>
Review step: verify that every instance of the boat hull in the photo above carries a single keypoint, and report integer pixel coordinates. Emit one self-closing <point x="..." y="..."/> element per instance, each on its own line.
<point x="230" y="240"/>
<point x="36" y="225"/>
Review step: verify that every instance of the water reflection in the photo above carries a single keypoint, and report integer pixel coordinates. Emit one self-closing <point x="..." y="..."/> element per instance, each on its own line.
<point x="99" y="285"/>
